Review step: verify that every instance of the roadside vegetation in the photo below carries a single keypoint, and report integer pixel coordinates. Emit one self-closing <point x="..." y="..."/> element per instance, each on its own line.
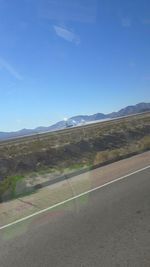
<point x="69" y="150"/>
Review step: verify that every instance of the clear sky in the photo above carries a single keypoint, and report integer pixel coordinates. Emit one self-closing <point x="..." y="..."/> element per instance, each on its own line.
<point x="60" y="58"/>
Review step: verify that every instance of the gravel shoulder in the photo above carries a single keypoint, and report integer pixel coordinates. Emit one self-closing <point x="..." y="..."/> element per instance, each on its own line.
<point x="50" y="195"/>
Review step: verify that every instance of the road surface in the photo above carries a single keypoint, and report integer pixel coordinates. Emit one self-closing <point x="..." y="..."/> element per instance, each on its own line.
<point x="107" y="227"/>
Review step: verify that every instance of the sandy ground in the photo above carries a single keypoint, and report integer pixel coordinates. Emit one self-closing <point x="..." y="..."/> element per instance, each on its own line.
<point x="50" y="195"/>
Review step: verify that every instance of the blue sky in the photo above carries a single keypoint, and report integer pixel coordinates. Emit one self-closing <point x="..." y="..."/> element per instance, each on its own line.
<point x="63" y="58"/>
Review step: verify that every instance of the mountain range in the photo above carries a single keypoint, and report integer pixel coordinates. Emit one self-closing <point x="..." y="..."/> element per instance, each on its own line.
<point x="129" y="110"/>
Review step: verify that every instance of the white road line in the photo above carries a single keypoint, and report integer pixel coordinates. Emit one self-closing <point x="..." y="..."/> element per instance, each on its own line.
<point x="70" y="199"/>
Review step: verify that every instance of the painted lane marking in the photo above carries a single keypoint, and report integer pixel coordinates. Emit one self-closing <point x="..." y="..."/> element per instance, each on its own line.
<point x="70" y="199"/>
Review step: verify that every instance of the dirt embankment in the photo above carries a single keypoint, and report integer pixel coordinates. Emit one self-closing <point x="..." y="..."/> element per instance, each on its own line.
<point x="79" y="146"/>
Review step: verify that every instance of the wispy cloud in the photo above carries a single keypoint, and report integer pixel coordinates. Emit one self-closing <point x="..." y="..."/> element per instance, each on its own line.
<point x="69" y="10"/>
<point x="5" y="65"/>
<point x="126" y="22"/>
<point x="67" y="34"/>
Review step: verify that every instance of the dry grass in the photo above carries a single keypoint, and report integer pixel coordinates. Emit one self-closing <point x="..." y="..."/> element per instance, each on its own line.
<point x="72" y="148"/>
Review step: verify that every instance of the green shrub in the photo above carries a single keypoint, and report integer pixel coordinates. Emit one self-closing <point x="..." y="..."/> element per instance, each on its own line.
<point x="145" y="142"/>
<point x="8" y="185"/>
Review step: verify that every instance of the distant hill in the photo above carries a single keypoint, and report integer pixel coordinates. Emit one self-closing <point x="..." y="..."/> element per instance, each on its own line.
<point x="129" y="110"/>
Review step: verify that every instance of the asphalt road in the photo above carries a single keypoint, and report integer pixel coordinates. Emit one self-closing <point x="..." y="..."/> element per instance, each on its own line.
<point x="108" y="227"/>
